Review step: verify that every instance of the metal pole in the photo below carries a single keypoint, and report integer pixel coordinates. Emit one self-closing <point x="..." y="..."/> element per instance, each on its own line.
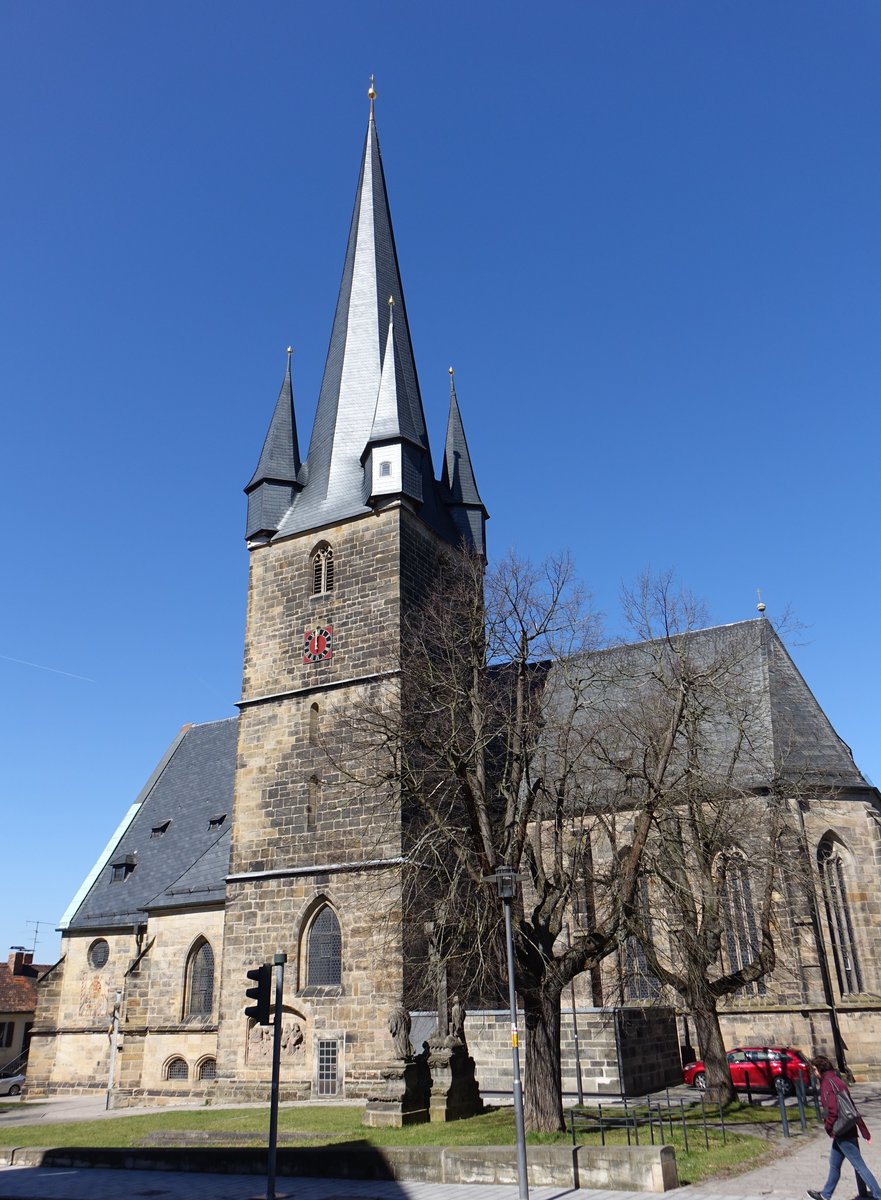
<point x="578" y="1082"/>
<point x="522" y="1175"/>
<point x="114" y="1046"/>
<point x="279" y="960"/>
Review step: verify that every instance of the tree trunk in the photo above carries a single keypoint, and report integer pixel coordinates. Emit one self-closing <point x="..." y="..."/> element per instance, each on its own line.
<point x="543" y="1100"/>
<point x="720" y="1089"/>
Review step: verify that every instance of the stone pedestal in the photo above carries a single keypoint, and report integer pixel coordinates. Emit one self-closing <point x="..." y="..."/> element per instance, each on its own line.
<point x="455" y="1093"/>
<point x="401" y="1098"/>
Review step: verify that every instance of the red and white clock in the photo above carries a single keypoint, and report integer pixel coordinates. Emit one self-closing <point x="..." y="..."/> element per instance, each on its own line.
<point x="318" y="644"/>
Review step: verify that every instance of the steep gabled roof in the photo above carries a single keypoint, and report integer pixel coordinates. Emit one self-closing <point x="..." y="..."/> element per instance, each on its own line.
<point x="761" y="719"/>
<point x="170" y="837"/>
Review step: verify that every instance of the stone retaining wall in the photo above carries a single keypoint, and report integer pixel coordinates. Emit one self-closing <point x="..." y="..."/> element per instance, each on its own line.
<point x="620" y="1168"/>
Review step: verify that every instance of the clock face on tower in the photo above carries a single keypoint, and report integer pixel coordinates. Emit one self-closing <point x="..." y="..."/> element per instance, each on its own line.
<point x="318" y="644"/>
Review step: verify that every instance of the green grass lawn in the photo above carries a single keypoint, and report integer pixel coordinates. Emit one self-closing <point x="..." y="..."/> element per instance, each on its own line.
<point x="322" y="1125"/>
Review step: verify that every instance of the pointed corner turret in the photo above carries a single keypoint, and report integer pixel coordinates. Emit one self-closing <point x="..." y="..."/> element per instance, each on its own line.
<point x="276" y="480"/>
<point x="458" y="484"/>
<point x="393" y="455"/>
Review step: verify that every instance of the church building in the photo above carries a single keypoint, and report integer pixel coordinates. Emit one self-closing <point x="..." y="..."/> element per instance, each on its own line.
<point x="250" y="837"/>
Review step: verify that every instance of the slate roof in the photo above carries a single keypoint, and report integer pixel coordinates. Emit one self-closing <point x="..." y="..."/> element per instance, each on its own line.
<point x="188" y="862"/>
<point x="280" y="456"/>
<point x="779" y="725"/>
<point x="333" y="479"/>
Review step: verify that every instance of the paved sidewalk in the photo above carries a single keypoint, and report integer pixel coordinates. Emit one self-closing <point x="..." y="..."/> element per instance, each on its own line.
<point x="800" y="1163"/>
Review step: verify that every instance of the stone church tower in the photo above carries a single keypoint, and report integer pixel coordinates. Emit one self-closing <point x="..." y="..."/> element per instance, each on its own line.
<point x="340" y="544"/>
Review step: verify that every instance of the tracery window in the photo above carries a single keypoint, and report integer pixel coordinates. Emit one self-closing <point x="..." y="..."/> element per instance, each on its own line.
<point x="838" y="916"/>
<point x="200" y="981"/>
<point x="322" y="570"/>
<point x="324" y="950"/>
<point x="640" y="982"/>
<point x="742" y="942"/>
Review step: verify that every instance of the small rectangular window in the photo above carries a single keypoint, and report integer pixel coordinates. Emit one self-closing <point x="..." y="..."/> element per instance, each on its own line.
<point x="327" y="1068"/>
<point x="385" y="469"/>
<point x="122" y="869"/>
<point x="158" y="830"/>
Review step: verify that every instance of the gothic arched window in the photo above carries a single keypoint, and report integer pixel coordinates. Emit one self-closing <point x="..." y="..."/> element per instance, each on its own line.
<point x="324" y="948"/>
<point x="322" y="570"/>
<point x="200" y="981"/>
<point x="831" y="863"/>
<point x="742" y="941"/>
<point x="639" y="981"/>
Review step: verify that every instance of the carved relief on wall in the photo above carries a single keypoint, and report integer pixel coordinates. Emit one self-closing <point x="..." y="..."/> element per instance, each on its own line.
<point x="94" y="1002"/>
<point x="259" y="1046"/>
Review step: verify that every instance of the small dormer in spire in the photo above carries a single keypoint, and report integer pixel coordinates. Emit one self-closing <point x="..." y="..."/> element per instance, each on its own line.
<point x="275" y="482"/>
<point x="458" y="484"/>
<point x="393" y="455"/>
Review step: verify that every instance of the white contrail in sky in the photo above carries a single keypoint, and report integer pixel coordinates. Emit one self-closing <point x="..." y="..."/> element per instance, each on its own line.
<point x="40" y="667"/>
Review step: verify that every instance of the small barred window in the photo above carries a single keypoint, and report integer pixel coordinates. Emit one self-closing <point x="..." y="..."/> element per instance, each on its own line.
<point x="322" y="571"/>
<point x="208" y="1069"/>
<point x="177" y="1069"/>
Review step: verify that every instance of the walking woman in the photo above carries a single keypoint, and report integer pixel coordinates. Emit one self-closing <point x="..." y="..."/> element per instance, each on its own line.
<point x="844" y="1146"/>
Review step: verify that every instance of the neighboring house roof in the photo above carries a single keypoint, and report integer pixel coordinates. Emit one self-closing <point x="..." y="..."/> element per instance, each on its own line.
<point x="174" y="851"/>
<point x="18" y="984"/>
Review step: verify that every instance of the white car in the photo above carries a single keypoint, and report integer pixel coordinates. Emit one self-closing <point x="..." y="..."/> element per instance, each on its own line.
<point x="11" y="1085"/>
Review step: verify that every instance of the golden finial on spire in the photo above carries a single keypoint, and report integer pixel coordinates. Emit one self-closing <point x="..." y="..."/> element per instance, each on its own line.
<point x="290" y="351"/>
<point x="371" y="93"/>
<point x="391" y="310"/>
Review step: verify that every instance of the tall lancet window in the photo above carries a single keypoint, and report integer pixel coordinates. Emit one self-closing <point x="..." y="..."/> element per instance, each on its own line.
<point x="324" y="950"/>
<point x="831" y="863"/>
<point x="742" y="942"/>
<point x="322" y="570"/>
<point x="200" y="981"/>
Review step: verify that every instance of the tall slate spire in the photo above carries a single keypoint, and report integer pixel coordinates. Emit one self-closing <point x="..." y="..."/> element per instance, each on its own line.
<point x="274" y="483"/>
<point x="458" y="485"/>
<point x="335" y="482"/>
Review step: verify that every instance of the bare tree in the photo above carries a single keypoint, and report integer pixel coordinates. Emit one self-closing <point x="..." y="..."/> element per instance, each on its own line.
<point x="491" y="739"/>
<point x="723" y="837"/>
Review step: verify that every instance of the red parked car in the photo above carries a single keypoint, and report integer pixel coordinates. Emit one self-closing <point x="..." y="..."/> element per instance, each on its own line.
<point x="759" y="1068"/>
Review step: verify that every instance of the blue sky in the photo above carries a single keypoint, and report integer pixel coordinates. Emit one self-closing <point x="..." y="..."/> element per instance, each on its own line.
<point x="646" y="234"/>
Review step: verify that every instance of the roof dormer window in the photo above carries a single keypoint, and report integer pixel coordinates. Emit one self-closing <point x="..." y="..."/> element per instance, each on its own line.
<point x="158" y="830"/>
<point x="122" y="868"/>
<point x="217" y="821"/>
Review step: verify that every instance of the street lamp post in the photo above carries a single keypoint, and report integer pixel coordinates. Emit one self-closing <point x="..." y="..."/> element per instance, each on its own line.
<point x="506" y="880"/>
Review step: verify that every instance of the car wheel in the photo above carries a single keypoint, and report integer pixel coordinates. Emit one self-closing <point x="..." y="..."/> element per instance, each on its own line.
<point x="14" y="1090"/>
<point x="782" y="1086"/>
<point x="700" y="1081"/>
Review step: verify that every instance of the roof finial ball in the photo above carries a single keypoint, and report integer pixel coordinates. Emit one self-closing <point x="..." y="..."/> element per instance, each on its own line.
<point x="761" y="604"/>
<point x="371" y="94"/>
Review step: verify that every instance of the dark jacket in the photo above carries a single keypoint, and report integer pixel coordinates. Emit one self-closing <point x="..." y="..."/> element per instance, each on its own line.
<point x="831" y="1086"/>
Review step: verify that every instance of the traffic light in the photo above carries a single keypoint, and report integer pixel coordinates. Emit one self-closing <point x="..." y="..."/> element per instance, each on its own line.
<point x="259" y="1011"/>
